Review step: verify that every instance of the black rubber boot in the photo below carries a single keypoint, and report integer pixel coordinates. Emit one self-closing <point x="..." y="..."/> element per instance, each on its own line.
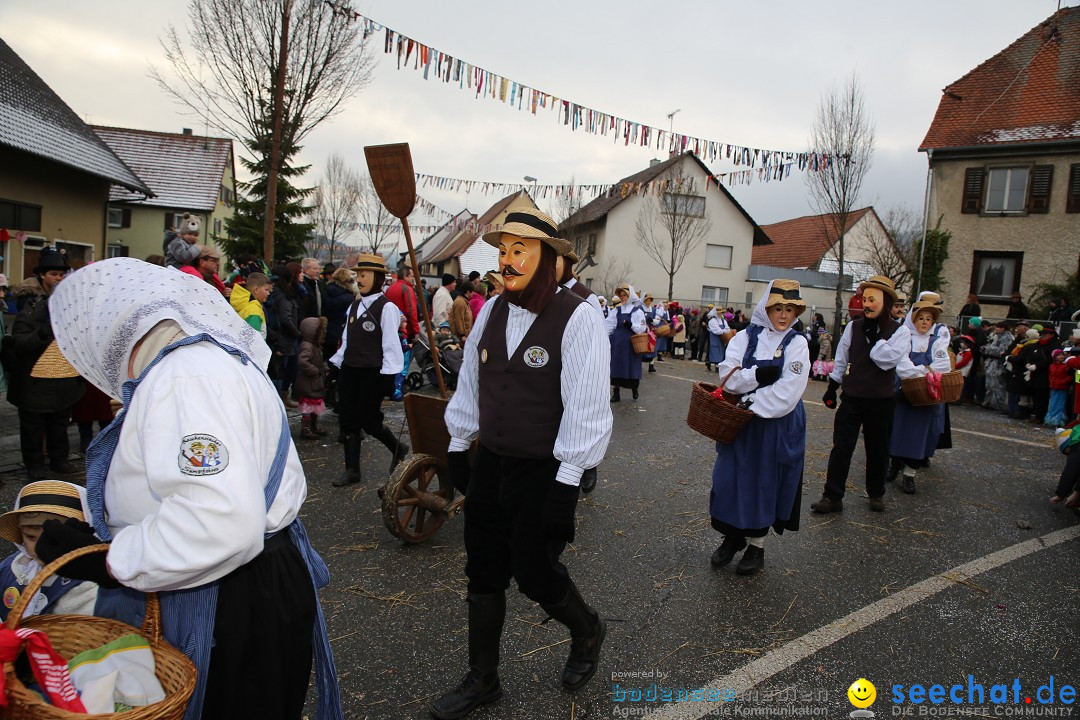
<point x="399" y="448"/>
<point x="634" y="391"/>
<point x="588" y="481"/>
<point x="894" y="469"/>
<point x="587" y="631"/>
<point x="481" y="684"/>
<point x="728" y="549"/>
<point x="352" y="462"/>
<point x="752" y="561"/>
<point x="615" y="395"/>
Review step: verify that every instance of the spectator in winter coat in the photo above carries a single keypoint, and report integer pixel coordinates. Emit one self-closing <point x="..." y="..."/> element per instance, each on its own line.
<point x="402" y="294"/>
<point x="313" y="289"/>
<point x="1017" y="309"/>
<point x="286" y="306"/>
<point x="461" y="317"/>
<point x="206" y="268"/>
<point x="442" y="300"/>
<point x="181" y="247"/>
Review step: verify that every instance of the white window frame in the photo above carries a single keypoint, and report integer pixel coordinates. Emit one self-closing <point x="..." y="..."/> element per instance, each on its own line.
<point x="714" y="295"/>
<point x="118" y="214"/>
<point x="681" y="202"/>
<point x="990" y="172"/>
<point x="730" y="252"/>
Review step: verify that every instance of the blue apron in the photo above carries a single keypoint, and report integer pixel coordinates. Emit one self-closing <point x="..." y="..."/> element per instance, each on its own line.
<point x="757" y="477"/>
<point x="717" y="351"/>
<point x="188" y="615"/>
<point x="916" y="430"/>
<point x="625" y="363"/>
<point x="650" y="315"/>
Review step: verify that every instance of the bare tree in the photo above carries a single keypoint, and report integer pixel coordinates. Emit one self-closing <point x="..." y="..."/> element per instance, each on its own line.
<point x="844" y="133"/>
<point x="376" y="224"/>
<point x="670" y="226"/>
<point x="334" y="208"/>
<point x="892" y="255"/>
<point x="610" y="274"/>
<point x="225" y="68"/>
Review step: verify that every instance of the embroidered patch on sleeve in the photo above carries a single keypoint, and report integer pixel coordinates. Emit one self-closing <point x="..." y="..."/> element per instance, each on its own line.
<point x="796" y="367"/>
<point x="202" y="454"/>
<point x="941" y="354"/>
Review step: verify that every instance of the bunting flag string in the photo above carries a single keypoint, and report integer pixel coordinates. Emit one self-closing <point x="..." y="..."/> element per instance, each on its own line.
<point x="575" y="116"/>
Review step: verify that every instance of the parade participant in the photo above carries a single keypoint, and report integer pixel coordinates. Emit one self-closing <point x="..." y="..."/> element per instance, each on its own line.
<point x="866" y="358"/>
<point x="625" y="320"/>
<point x="994" y="352"/>
<point x="717" y="326"/>
<point x="757" y="478"/>
<point x="899" y="312"/>
<point x="495" y="282"/>
<point x="532" y="389"/>
<point x="652" y="319"/>
<point x="369" y="357"/>
<point x="564" y="272"/>
<point x="917" y="430"/>
<point x="220" y="540"/>
<point x="36" y="503"/>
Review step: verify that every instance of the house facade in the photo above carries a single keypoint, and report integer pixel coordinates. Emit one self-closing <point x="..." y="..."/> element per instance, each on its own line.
<point x="714" y="270"/>
<point x="187" y="173"/>
<point x="458" y="247"/>
<point x="1004" y="155"/>
<point x="55" y="177"/>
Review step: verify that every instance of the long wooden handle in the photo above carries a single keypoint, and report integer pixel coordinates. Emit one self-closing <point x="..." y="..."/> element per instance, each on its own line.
<point x="424" y="309"/>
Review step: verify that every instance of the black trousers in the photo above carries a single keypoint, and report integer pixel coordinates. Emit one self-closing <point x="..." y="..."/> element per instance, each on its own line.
<point x="260" y="665"/>
<point x="874" y="416"/>
<point x="503" y="533"/>
<point x="360" y="396"/>
<point x="1070" y="475"/>
<point x="37" y="430"/>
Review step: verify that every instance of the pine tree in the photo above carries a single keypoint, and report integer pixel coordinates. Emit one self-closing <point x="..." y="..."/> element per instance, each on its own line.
<point x="245" y="228"/>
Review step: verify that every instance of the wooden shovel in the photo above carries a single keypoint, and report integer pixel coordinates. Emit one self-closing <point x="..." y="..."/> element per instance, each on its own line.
<point x="391" y="170"/>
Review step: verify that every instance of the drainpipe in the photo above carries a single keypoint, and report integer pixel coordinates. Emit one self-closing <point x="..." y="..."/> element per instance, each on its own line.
<point x="926" y="217"/>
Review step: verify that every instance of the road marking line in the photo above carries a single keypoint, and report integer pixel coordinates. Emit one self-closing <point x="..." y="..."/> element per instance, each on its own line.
<point x="782" y="658"/>
<point x="1047" y="444"/>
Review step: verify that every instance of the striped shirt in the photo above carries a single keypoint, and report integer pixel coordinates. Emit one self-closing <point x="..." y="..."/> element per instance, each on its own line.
<point x="585" y="429"/>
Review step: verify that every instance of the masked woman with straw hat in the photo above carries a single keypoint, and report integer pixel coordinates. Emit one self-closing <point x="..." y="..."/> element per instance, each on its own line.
<point x="916" y="430"/>
<point x="757" y="478"/>
<point x="623" y="322"/>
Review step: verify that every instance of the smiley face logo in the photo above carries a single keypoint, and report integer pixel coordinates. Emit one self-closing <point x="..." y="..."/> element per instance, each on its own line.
<point x="862" y="693"/>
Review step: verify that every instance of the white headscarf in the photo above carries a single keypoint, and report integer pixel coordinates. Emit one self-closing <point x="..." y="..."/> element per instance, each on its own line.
<point x="102" y="310"/>
<point x="760" y="316"/>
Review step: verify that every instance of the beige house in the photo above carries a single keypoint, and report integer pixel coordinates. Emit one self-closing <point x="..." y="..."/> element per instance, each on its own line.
<point x="1004" y="154"/>
<point x="55" y="174"/>
<point x="713" y="271"/>
<point x="802" y="249"/>
<point x="187" y="173"/>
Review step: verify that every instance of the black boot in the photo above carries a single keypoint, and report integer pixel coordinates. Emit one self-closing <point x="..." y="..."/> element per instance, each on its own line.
<point x="652" y="368"/>
<point x="726" y="552"/>
<point x="587" y="631"/>
<point x="352" y="462"/>
<point x="894" y="470"/>
<point x="481" y="685"/>
<point x="635" y="392"/>
<point x="752" y="561"/>
<point x="588" y="481"/>
<point x="400" y="449"/>
<point x="615" y="395"/>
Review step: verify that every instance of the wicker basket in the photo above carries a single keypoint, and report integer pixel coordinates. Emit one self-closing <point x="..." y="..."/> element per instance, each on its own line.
<point x="662" y="330"/>
<point x="72" y="634"/>
<point x="716" y="419"/>
<point x="726" y="337"/>
<point x="918" y="394"/>
<point x="641" y="343"/>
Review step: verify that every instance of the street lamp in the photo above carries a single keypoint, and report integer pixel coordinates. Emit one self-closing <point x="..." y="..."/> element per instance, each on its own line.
<point x="530" y="178"/>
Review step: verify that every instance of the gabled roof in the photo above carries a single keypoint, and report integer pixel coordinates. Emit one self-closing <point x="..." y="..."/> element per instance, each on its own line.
<point x="434" y="242"/>
<point x="601" y="206"/>
<point x="801" y="243"/>
<point x="461" y="242"/>
<point x="184" y="171"/>
<point x="1028" y="92"/>
<point x="35" y="120"/>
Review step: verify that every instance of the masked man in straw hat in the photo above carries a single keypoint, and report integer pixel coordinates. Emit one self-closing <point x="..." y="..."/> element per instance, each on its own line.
<point x="866" y="359"/>
<point x="43" y="385"/>
<point x="532" y="388"/>
<point x="370" y="356"/>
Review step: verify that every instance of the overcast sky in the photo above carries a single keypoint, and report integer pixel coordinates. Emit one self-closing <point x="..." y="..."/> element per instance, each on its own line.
<point x="748" y="73"/>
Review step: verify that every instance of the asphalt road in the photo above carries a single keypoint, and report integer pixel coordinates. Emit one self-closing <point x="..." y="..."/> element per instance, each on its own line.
<point x="975" y="575"/>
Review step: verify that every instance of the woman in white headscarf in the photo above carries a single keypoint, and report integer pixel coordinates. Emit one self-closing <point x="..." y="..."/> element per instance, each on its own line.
<point x="622" y="322"/>
<point x="757" y="478"/>
<point x="717" y="325"/>
<point x="199" y="492"/>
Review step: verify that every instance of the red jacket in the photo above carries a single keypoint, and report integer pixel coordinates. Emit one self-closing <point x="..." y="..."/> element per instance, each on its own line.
<point x="402" y="294"/>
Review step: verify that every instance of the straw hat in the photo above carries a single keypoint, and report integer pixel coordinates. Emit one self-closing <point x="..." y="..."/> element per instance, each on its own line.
<point x="53" y="365"/>
<point x="648" y="296"/>
<point x="529" y="223"/>
<point x="882" y="283"/>
<point x="368" y="261"/>
<point x="51" y="496"/>
<point x="927" y="303"/>
<point x="625" y="287"/>
<point x="494" y="278"/>
<point x="785" y="292"/>
<point x="572" y="258"/>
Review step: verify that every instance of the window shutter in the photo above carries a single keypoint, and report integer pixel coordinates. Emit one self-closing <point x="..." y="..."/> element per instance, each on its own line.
<point x="124" y="249"/>
<point x="1072" y="204"/>
<point x="168" y="222"/>
<point x="1039" y="189"/>
<point x="125" y="221"/>
<point x="973" y="190"/>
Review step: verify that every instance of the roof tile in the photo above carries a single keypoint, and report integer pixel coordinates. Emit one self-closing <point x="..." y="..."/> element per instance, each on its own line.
<point x="801" y="243"/>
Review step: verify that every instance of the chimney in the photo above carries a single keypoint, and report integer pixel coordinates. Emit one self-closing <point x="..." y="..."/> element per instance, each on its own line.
<point x="187" y="131"/>
<point x="653" y="162"/>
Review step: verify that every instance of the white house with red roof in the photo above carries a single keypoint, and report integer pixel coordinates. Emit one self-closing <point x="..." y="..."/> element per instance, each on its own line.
<point x="1004" y="154"/>
<point x="187" y="173"/>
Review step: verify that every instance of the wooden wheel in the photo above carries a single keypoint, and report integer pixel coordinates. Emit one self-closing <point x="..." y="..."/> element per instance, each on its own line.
<point x="416" y="500"/>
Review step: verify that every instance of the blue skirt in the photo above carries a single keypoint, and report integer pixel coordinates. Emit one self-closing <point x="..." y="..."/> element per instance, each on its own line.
<point x="625" y="363"/>
<point x="716" y="349"/>
<point x="757" y="478"/>
<point x="916" y="430"/>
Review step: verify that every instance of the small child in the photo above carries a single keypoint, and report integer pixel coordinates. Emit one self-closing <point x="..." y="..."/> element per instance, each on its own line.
<point x="36" y="503"/>
<point x="406" y="349"/>
<point x="247" y="300"/>
<point x="964" y="363"/>
<point x="1060" y="384"/>
<point x="445" y="339"/>
<point x="182" y="246"/>
<point x="311" y="380"/>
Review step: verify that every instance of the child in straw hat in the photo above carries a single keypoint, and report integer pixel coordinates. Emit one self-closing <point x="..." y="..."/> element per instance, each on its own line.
<point x="37" y="503"/>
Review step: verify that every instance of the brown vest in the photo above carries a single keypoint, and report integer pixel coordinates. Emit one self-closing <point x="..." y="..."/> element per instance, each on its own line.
<point x="864" y="379"/>
<point x="363" y="348"/>
<point x="580" y="290"/>
<point x="520" y="397"/>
